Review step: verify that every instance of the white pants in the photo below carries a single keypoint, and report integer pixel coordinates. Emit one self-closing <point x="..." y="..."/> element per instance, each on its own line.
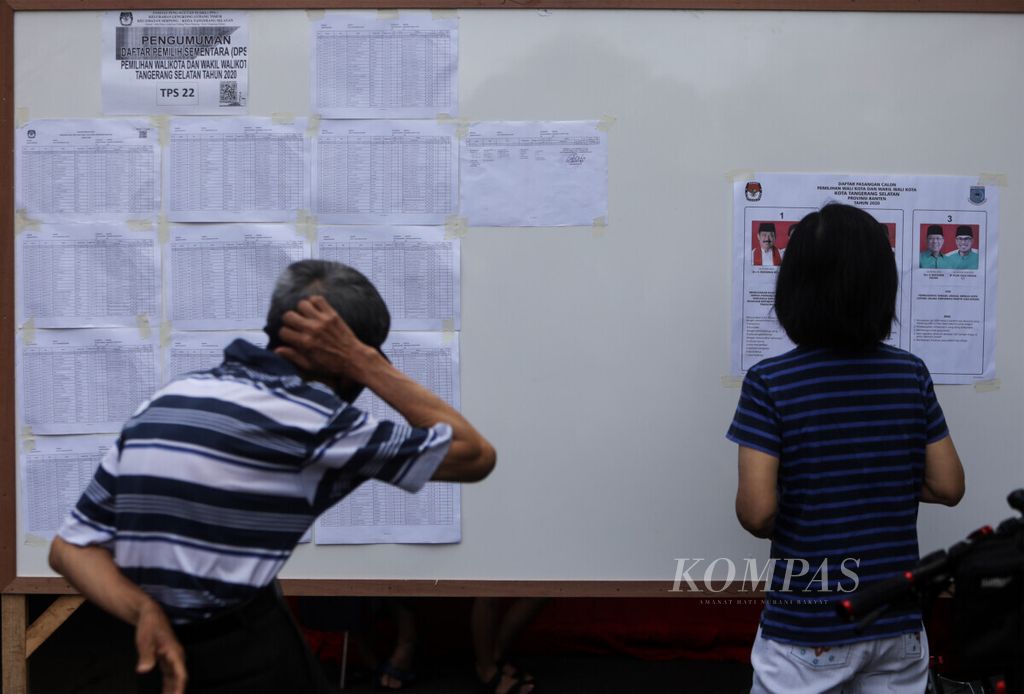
<point x="898" y="665"/>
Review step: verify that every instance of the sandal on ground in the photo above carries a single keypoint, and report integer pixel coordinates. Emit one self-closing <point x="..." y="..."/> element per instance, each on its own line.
<point x="493" y="685"/>
<point x="405" y="678"/>
<point x="513" y="670"/>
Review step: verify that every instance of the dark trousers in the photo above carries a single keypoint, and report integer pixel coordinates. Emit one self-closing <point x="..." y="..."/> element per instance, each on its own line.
<point x="254" y="648"/>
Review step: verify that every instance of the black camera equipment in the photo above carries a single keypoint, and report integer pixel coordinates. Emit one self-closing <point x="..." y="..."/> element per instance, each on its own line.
<point x="986" y="571"/>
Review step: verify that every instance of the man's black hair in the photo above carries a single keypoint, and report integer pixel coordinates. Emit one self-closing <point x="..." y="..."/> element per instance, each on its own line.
<point x="837" y="283"/>
<point x="346" y="289"/>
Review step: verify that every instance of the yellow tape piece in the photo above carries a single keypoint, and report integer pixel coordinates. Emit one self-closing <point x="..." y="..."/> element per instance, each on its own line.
<point x="305" y="224"/>
<point x="993" y="179"/>
<point x="313" y="126"/>
<point x="988" y="386"/>
<point x="315" y="15"/>
<point x="28" y="439"/>
<point x="22" y="222"/>
<point x="283" y="118"/>
<point x="165" y="333"/>
<point x="163" y="230"/>
<point x="599" y="226"/>
<point x="21" y="117"/>
<point x="455" y="227"/>
<point x="139" y="224"/>
<point x="731" y="382"/>
<point x="444" y="14"/>
<point x="35" y="540"/>
<point x="28" y="332"/>
<point x="387" y="14"/>
<point x="740" y="175"/>
<point x="448" y="326"/>
<point x="461" y="124"/>
<point x="163" y="128"/>
<point x="142" y="321"/>
<point x="606" y="123"/>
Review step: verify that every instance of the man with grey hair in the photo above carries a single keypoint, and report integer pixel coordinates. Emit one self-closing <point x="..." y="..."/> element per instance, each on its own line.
<point x="214" y="480"/>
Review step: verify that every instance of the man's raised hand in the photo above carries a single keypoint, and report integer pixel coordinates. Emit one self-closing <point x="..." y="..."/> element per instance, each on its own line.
<point x="317" y="339"/>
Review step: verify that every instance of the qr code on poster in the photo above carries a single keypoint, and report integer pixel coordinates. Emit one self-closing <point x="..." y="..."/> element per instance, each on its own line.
<point x="229" y="93"/>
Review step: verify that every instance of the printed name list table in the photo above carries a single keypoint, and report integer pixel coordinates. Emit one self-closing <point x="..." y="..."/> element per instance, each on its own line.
<point x="234" y="170"/>
<point x="366" y="67"/>
<point x="87" y="170"/>
<point x="385" y="172"/>
<point x="77" y="276"/>
<point x="84" y="381"/>
<point x="415" y="269"/>
<point x="221" y="278"/>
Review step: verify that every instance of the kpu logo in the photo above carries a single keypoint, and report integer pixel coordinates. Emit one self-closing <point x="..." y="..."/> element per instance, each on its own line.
<point x="753" y="191"/>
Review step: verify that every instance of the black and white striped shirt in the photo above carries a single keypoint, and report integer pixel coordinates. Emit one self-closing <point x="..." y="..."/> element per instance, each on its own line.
<point x="216" y="478"/>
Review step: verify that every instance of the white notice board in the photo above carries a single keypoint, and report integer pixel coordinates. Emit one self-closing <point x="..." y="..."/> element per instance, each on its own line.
<point x="596" y="358"/>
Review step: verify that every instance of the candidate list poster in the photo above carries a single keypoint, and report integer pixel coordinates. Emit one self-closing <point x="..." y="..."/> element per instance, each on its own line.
<point x="175" y="61"/>
<point x="943" y="231"/>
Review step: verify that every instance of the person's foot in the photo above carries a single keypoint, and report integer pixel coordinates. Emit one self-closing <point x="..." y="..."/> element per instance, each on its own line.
<point x="396" y="672"/>
<point x="504" y="678"/>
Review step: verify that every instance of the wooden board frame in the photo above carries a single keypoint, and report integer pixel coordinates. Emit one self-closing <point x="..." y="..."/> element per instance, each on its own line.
<point x="12" y="584"/>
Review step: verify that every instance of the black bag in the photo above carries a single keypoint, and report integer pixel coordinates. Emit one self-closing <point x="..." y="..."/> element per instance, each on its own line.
<point x="988" y="612"/>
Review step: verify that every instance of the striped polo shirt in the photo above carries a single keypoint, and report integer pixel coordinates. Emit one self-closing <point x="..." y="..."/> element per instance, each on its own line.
<point x="850" y="432"/>
<point x="216" y="478"/>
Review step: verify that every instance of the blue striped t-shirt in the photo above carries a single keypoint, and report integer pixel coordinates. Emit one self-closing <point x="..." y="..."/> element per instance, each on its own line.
<point x="850" y="432"/>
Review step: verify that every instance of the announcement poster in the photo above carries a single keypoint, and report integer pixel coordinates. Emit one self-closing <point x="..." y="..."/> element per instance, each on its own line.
<point x="175" y="61"/>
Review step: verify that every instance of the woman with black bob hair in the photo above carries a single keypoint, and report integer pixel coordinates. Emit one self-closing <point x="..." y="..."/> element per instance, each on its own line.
<point x="838" y="280"/>
<point x="839" y="440"/>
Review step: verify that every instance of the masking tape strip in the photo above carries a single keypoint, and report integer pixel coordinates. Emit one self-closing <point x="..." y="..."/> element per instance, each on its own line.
<point x="35" y="540"/>
<point x="139" y="224"/>
<point x="731" y="382"/>
<point x="163" y="128"/>
<point x="165" y="333"/>
<point x="23" y="222"/>
<point x="599" y="226"/>
<point x="163" y="229"/>
<point x="988" y="386"/>
<point x="455" y="227"/>
<point x="315" y="15"/>
<point x="606" y="123"/>
<point x="305" y="224"/>
<point x="313" y="126"/>
<point x="28" y="332"/>
<point x="387" y="14"/>
<point x="993" y="179"/>
<point x="448" y="327"/>
<point x="461" y="124"/>
<point x="142" y="321"/>
<point x="444" y="14"/>
<point x="740" y="175"/>
<point x="282" y="118"/>
<point x="21" y="116"/>
<point x="28" y="439"/>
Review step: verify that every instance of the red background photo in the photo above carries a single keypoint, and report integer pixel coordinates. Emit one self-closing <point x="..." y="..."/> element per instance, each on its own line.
<point x="782" y="228"/>
<point x="890" y="229"/>
<point x="948" y="233"/>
